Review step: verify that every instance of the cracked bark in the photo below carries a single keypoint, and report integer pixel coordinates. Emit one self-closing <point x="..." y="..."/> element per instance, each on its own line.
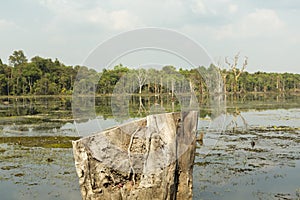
<point x="151" y="158"/>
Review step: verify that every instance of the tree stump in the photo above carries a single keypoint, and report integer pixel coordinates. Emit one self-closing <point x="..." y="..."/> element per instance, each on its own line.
<point x="150" y="159"/>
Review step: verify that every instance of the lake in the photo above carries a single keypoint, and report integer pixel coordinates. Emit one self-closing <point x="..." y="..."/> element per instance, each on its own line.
<point x="226" y="165"/>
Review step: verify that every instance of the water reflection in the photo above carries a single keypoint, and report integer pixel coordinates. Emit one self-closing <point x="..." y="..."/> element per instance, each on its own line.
<point x="52" y="117"/>
<point x="276" y="183"/>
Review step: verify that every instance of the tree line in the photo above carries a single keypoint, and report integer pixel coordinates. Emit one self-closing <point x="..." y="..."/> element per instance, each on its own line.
<point x="43" y="76"/>
<point x="39" y="76"/>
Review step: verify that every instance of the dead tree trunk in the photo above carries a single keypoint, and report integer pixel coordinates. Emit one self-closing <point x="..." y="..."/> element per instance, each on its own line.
<point x="235" y="71"/>
<point x="149" y="159"/>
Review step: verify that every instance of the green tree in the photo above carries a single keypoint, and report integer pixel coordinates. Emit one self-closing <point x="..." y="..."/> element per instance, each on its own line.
<point x="44" y="86"/>
<point x="3" y="81"/>
<point x="32" y="73"/>
<point x="109" y="78"/>
<point x="43" y="64"/>
<point x="17" y="58"/>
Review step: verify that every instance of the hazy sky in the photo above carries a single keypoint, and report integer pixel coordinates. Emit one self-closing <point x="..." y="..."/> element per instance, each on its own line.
<point x="267" y="31"/>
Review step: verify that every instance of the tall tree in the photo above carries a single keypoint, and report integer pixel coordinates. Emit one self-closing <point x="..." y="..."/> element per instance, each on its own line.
<point x="17" y="58"/>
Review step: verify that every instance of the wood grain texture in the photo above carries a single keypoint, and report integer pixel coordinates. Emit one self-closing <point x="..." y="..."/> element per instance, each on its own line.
<point x="151" y="158"/>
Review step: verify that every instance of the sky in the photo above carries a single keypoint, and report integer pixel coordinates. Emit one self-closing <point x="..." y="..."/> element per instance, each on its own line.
<point x="267" y="32"/>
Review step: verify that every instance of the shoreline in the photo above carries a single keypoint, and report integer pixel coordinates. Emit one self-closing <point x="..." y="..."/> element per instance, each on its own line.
<point x="289" y="93"/>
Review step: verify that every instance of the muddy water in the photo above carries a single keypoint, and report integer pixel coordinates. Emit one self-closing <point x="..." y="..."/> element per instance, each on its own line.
<point x="37" y="173"/>
<point x="226" y="166"/>
<point x="36" y="160"/>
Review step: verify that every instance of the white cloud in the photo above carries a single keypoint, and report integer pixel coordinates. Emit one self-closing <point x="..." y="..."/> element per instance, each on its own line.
<point x="232" y="8"/>
<point x="122" y="19"/>
<point x="264" y="18"/>
<point x="7" y="25"/>
<point x="116" y="20"/>
<point x="74" y="12"/>
<point x="199" y="7"/>
<point x="214" y="7"/>
<point x="65" y="24"/>
<point x="262" y="22"/>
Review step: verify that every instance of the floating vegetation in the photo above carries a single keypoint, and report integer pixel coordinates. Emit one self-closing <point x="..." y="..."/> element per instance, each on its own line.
<point x="233" y="156"/>
<point x="40" y="141"/>
<point x="9" y="167"/>
<point x="43" y="166"/>
<point x="19" y="175"/>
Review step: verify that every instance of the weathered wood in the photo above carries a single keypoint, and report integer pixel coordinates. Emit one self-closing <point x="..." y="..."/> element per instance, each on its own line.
<point x="151" y="158"/>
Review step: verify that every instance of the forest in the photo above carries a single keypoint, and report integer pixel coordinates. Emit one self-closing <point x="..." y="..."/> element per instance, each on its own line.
<point x="43" y="76"/>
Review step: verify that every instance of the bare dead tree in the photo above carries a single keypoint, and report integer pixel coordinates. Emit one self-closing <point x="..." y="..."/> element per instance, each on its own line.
<point x="141" y="75"/>
<point x="235" y="70"/>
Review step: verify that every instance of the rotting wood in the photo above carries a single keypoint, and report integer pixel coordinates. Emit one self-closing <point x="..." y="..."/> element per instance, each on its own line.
<point x="150" y="159"/>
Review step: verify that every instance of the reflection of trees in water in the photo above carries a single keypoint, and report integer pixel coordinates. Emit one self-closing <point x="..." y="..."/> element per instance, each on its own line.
<point x="141" y="105"/>
<point x="237" y="103"/>
<point x="27" y="115"/>
<point x="23" y="106"/>
<point x="49" y="109"/>
<point x="236" y="116"/>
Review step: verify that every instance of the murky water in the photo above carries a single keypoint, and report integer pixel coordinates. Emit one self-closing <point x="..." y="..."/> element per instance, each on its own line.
<point x="226" y="165"/>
